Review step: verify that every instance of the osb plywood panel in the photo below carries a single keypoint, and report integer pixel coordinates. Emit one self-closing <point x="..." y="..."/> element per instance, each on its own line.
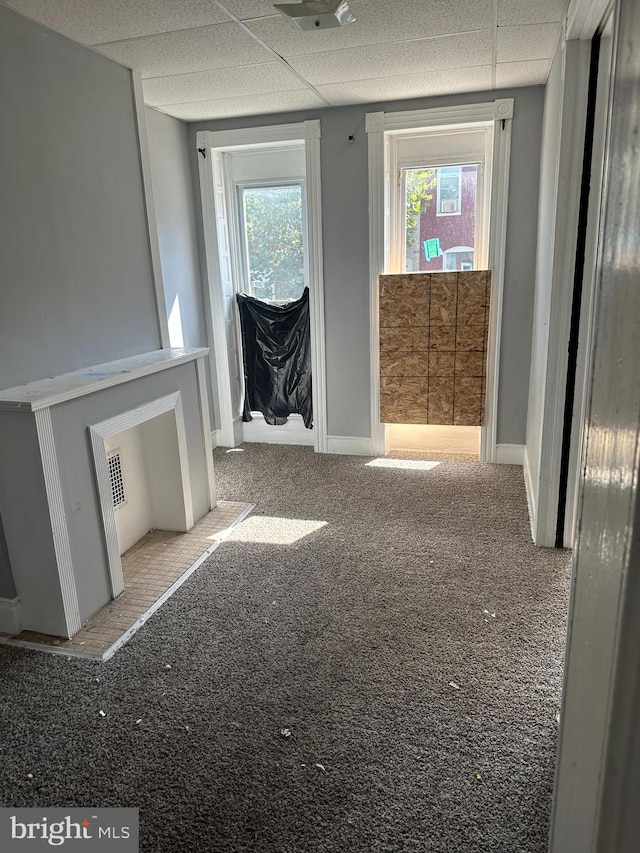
<point x="433" y="347"/>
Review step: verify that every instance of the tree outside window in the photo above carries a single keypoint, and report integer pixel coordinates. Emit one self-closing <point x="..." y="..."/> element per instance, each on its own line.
<point x="420" y="186"/>
<point x="274" y="245"/>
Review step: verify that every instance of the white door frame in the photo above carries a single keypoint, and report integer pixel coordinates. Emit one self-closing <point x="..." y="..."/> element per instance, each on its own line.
<point x="545" y="489"/>
<point x="500" y="112"/>
<point x="216" y="142"/>
<point x="587" y="312"/>
<point x="583" y="19"/>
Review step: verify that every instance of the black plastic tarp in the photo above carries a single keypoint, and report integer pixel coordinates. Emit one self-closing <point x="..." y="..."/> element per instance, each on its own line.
<point x="276" y="349"/>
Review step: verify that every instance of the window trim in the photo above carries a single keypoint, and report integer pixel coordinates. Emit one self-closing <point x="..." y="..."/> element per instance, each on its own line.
<point x="379" y="126"/>
<point x="217" y="302"/>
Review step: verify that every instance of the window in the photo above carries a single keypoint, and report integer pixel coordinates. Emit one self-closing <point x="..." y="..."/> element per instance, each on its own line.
<point x="434" y="240"/>
<point x="458" y="258"/>
<point x="272" y="235"/>
<point x="449" y="190"/>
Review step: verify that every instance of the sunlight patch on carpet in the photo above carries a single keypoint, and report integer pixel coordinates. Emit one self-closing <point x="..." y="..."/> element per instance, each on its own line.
<point x="272" y="530"/>
<point x="406" y="464"/>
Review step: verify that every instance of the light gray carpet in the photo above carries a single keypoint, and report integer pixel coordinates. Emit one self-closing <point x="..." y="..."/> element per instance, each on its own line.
<point x="349" y="638"/>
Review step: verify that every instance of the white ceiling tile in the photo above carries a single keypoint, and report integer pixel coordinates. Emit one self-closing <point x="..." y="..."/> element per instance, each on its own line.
<point x="413" y="57"/>
<point x="96" y="21"/>
<point x="247" y="9"/>
<point x="532" y="73"/>
<point x="378" y="22"/>
<point x="220" y="82"/>
<point x="221" y="46"/>
<point x="409" y="86"/>
<point x="301" y="99"/>
<point x="514" y="12"/>
<point x="517" y="44"/>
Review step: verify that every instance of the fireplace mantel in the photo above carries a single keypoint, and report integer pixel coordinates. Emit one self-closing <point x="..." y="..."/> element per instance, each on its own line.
<point x="67" y="386"/>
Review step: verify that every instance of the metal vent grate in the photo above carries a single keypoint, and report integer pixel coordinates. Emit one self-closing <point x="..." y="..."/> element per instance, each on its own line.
<point x="117" y="482"/>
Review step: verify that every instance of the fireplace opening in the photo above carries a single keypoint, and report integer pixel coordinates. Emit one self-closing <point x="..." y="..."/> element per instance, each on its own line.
<point x="142" y="473"/>
<point x="146" y="480"/>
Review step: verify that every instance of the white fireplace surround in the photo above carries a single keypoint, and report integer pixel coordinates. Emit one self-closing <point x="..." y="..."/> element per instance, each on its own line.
<point x="111" y="427"/>
<point x="56" y="499"/>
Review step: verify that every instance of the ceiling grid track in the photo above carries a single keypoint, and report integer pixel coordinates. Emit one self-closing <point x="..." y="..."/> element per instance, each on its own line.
<point x="494" y="56"/>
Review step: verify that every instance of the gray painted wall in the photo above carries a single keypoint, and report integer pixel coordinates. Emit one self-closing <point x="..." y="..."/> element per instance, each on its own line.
<point x="175" y="206"/>
<point x="75" y="266"/>
<point x="176" y="220"/>
<point x="346" y="253"/>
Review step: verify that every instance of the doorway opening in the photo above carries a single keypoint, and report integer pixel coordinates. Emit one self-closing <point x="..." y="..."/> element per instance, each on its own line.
<point x="265" y="189"/>
<point x="262" y="221"/>
<point x="439" y="213"/>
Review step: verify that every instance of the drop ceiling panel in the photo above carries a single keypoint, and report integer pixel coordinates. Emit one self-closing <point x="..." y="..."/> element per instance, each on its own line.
<point x="95" y="21"/>
<point x="378" y="22"/>
<point x="517" y="44"/>
<point x="514" y="12"/>
<point x="302" y="99"/>
<point x="221" y="82"/>
<point x="412" y="57"/>
<point x="247" y="9"/>
<point x="198" y="61"/>
<point x="408" y="86"/>
<point x="221" y="46"/>
<point x="530" y="73"/>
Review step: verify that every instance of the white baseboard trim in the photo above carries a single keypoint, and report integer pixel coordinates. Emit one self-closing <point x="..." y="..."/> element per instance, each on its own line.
<point x="10" y="616"/>
<point x="215" y="434"/>
<point x="531" y="501"/>
<point x="510" y="454"/>
<point x="350" y="445"/>
<point x="293" y="432"/>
